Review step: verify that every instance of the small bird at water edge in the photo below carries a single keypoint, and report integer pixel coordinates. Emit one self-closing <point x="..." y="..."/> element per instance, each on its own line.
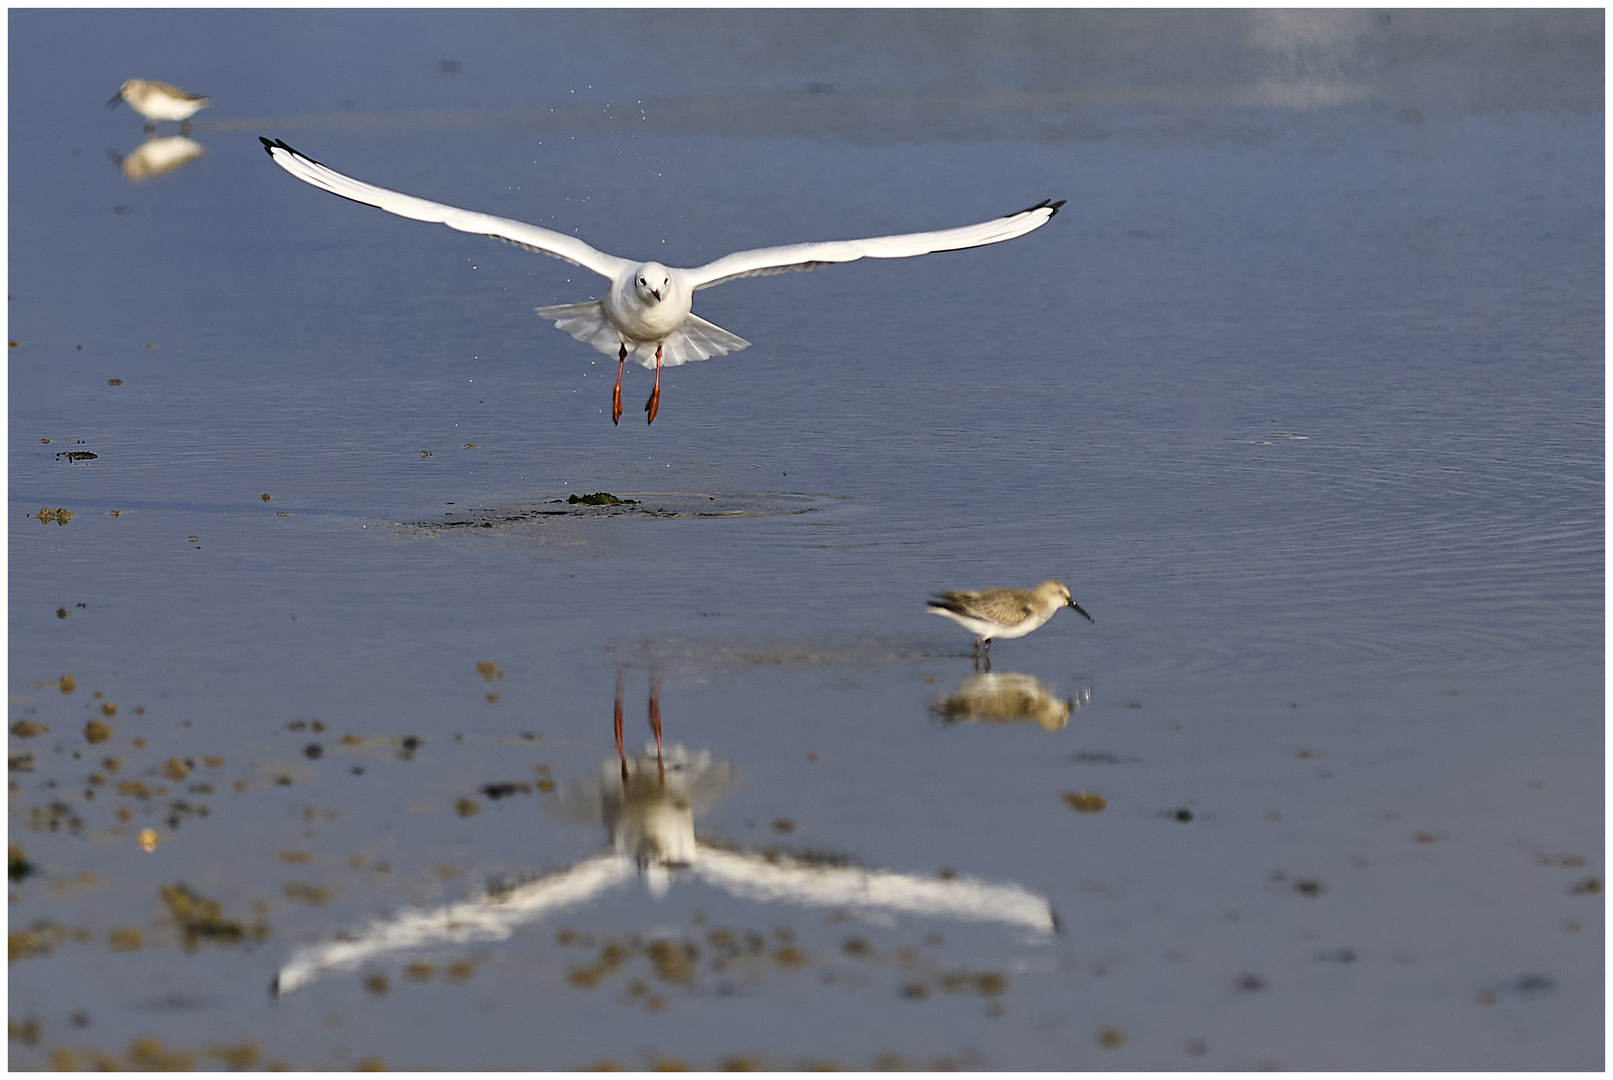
<point x="158" y="101"/>
<point x="1003" y="613"/>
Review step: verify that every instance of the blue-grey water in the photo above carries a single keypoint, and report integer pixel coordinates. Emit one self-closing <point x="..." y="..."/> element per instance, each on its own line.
<point x="1301" y="393"/>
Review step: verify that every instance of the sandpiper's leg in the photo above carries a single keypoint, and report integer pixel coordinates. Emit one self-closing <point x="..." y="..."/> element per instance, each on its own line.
<point x="655" y="721"/>
<point x="184" y="127"/>
<point x="653" y="405"/>
<point x="619" y="751"/>
<point x="616" y="395"/>
<point x="149" y="127"/>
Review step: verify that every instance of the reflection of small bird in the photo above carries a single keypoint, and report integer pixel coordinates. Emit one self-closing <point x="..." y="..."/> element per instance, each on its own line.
<point x="1003" y="613"/>
<point x="158" y="100"/>
<point x="157" y="156"/>
<point x="645" y="311"/>
<point x="1006" y="699"/>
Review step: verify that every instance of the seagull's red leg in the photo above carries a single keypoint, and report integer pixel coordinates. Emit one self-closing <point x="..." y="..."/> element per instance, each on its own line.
<point x="653" y="405"/>
<point x="616" y="395"/>
<point x="619" y="751"/>
<point x="655" y="720"/>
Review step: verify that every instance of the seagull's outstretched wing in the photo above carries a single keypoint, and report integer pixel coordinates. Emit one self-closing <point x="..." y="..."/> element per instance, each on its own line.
<point x="776" y="260"/>
<point x="531" y="237"/>
<point x="492" y="917"/>
<point x="780" y="877"/>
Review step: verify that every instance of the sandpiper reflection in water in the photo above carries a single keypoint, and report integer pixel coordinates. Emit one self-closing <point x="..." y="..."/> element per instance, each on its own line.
<point x="157" y="157"/>
<point x="1007" y="698"/>
<point x="648" y="804"/>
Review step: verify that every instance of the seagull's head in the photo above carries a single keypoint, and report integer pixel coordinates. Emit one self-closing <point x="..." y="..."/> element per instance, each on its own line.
<point x="652" y="282"/>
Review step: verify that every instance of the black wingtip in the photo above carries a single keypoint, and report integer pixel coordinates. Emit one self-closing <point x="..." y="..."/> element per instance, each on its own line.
<point x="271" y="145"/>
<point x="1045" y="204"/>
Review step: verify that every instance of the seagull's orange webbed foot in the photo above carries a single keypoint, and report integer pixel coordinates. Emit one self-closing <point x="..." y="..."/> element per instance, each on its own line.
<point x="616" y="395"/>
<point x="653" y="405"/>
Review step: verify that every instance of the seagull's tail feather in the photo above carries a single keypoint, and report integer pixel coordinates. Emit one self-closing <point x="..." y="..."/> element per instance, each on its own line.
<point x="585" y="322"/>
<point x="696" y="339"/>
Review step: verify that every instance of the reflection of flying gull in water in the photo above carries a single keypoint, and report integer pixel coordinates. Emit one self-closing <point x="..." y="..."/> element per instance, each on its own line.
<point x="648" y="804"/>
<point x="645" y="312"/>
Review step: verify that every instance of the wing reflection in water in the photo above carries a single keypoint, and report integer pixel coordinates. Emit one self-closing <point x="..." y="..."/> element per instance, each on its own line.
<point x="1009" y="697"/>
<point x="648" y="804"/>
<point x="156" y="157"/>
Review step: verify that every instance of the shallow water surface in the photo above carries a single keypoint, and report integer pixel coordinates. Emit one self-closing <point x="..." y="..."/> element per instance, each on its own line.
<point x="334" y="717"/>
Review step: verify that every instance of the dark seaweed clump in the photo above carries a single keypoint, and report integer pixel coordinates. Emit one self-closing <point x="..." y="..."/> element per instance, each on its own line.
<point x="602" y="498"/>
<point x="18" y="865"/>
<point x="202" y="920"/>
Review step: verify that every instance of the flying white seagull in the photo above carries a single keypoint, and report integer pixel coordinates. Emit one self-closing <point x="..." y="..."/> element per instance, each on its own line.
<point x="645" y="312"/>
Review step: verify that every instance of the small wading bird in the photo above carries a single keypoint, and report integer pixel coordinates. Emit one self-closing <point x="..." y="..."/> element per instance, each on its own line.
<point x="1003" y="613"/>
<point x="158" y="101"/>
<point x="645" y="312"/>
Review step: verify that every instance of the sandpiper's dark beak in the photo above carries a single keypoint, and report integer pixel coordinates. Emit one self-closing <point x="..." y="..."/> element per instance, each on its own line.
<point x="656" y="293"/>
<point x="1083" y="611"/>
<point x="117" y="97"/>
